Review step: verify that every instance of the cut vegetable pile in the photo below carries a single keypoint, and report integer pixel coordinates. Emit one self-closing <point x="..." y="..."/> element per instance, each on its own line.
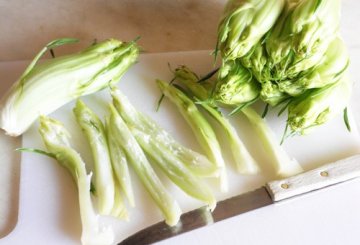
<point x="286" y="53"/>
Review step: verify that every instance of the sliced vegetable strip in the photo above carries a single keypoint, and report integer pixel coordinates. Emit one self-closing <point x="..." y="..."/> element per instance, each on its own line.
<point x="197" y="163"/>
<point x="174" y="169"/>
<point x="245" y="163"/>
<point x="119" y="209"/>
<point x="143" y="169"/>
<point x="120" y="164"/>
<point x="94" y="131"/>
<point x="282" y="163"/>
<point x="56" y="138"/>
<point x="200" y="127"/>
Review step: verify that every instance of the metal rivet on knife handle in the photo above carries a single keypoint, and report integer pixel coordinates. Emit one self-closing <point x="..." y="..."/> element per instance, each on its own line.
<point x="324" y="174"/>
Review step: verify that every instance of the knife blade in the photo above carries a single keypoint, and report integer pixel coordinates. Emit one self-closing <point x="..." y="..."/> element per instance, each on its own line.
<point x="272" y="192"/>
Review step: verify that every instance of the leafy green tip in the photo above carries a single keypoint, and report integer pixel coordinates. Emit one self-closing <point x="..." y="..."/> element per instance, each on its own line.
<point x="346" y="120"/>
<point x="209" y="75"/>
<point x="38" y="151"/>
<point x="162" y="95"/>
<point x="266" y="110"/>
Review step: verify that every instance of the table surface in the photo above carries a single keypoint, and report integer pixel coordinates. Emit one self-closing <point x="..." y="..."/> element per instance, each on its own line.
<point x="164" y="26"/>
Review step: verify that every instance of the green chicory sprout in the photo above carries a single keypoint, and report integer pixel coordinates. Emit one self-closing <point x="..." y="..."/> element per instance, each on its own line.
<point x="245" y="163"/>
<point x="196" y="162"/>
<point x="283" y="165"/>
<point x="45" y="87"/>
<point x="94" y="131"/>
<point x="317" y="106"/>
<point x="244" y="23"/>
<point x="119" y="162"/>
<point x="203" y="131"/>
<point x="236" y="85"/>
<point x="138" y="161"/>
<point x="56" y="140"/>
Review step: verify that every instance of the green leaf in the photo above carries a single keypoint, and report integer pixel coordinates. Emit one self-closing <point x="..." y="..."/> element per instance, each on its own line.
<point x="92" y="188"/>
<point x="344" y="69"/>
<point x="208" y="76"/>
<point x="266" y="109"/>
<point x="49" y="46"/>
<point x="52" y="53"/>
<point x="242" y="106"/>
<point x="285" y="134"/>
<point x="38" y="151"/>
<point x="284" y="108"/>
<point x="346" y="120"/>
<point x="317" y="5"/>
<point x="162" y="95"/>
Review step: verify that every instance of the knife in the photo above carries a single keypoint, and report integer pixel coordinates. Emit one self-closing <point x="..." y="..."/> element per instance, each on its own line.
<point x="272" y="192"/>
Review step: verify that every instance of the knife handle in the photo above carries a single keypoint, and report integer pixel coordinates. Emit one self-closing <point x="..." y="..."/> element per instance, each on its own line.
<point x="329" y="174"/>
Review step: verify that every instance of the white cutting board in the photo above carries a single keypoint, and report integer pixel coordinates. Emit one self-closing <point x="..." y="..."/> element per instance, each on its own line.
<point x="48" y="206"/>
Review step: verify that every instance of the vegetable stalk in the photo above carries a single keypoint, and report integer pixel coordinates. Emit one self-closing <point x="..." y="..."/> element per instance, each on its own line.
<point x="174" y="169"/>
<point x="143" y="169"/>
<point x="245" y="163"/>
<point x="45" y="87"/>
<point x="282" y="163"/>
<point x="196" y="162"/>
<point x="200" y="126"/>
<point x="120" y="164"/>
<point x="55" y="138"/>
<point x="94" y="131"/>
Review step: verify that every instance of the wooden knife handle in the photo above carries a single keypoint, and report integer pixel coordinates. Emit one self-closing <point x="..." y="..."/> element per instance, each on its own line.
<point x="329" y="174"/>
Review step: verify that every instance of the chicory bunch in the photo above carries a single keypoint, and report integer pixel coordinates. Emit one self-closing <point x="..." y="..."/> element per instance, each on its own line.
<point x="297" y="60"/>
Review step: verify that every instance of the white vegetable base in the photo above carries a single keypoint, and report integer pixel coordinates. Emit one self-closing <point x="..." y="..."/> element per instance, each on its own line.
<point x="49" y="212"/>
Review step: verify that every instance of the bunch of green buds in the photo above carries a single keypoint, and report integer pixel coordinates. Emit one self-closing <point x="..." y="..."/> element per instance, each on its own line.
<point x="236" y="85"/>
<point x="296" y="58"/>
<point x="301" y="36"/>
<point x="244" y="23"/>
